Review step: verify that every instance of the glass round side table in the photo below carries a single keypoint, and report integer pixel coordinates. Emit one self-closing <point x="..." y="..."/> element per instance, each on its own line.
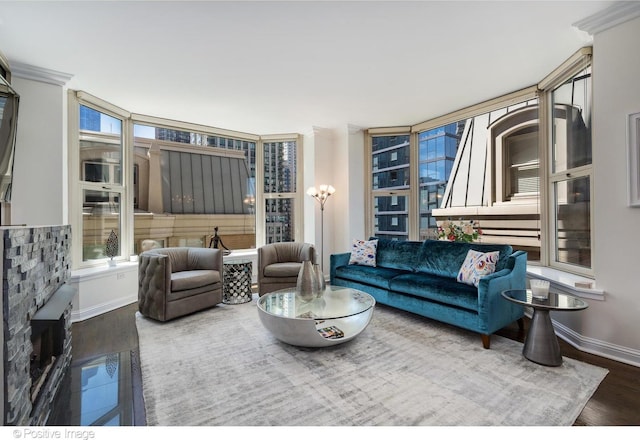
<point x="541" y="343"/>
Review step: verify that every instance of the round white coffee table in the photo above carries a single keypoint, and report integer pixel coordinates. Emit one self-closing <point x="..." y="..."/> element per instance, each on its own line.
<point x="338" y="316"/>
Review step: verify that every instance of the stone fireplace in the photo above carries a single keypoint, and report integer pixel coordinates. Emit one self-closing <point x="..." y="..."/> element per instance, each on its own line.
<point x="36" y="309"/>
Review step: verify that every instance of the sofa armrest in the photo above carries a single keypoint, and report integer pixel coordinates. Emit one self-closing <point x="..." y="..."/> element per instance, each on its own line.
<point x="154" y="283"/>
<point x="337" y="260"/>
<point x="492" y="307"/>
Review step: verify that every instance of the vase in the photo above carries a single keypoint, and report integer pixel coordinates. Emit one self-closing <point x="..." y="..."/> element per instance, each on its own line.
<point x="307" y="284"/>
<point x="317" y="270"/>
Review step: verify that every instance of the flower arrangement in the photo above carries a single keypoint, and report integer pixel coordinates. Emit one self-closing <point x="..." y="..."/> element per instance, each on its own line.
<point x="465" y="231"/>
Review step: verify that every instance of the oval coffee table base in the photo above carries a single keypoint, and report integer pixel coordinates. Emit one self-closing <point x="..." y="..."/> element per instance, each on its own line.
<point x="541" y="345"/>
<point x="304" y="332"/>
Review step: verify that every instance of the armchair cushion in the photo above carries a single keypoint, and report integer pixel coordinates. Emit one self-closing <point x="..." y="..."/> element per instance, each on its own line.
<point x="191" y="279"/>
<point x="282" y="270"/>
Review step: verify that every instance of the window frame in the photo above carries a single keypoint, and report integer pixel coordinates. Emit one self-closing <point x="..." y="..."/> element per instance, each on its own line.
<point x="411" y="193"/>
<point x="77" y="185"/>
<point x="75" y="98"/>
<point x="541" y="91"/>
<point x="578" y="62"/>
<point x="262" y="197"/>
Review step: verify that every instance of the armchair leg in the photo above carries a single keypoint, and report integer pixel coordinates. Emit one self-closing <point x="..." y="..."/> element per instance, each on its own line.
<point x="486" y="341"/>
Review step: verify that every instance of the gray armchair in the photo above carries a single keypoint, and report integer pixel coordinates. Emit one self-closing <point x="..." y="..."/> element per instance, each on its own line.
<point x="173" y="282"/>
<point x="279" y="264"/>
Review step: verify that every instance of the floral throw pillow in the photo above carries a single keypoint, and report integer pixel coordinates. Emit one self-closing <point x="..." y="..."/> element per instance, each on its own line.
<point x="477" y="265"/>
<point x="364" y="252"/>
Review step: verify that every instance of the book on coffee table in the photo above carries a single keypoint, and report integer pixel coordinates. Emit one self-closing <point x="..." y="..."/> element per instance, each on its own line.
<point x="332" y="332"/>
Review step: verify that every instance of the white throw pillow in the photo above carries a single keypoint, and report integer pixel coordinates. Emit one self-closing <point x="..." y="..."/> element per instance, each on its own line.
<point x="364" y="252"/>
<point x="477" y="265"/>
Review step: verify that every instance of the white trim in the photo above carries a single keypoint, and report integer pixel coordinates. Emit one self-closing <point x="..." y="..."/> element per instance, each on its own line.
<point x="507" y="100"/>
<point x="198" y="128"/>
<point x="104" y="275"/>
<point x="633" y="151"/>
<point x="565" y="282"/>
<point x="614" y="15"/>
<point x="597" y="347"/>
<point x="109" y="306"/>
<point x="568" y="68"/>
<point x="34" y="73"/>
<point x="102" y="271"/>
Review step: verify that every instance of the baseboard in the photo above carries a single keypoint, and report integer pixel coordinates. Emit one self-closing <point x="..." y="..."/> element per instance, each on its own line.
<point x="99" y="309"/>
<point x="597" y="347"/>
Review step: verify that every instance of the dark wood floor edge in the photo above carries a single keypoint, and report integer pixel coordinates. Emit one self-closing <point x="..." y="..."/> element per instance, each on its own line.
<point x="139" y="412"/>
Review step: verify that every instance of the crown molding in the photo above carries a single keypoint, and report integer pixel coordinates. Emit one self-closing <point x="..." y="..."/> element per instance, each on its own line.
<point x="614" y="15"/>
<point x="35" y="73"/>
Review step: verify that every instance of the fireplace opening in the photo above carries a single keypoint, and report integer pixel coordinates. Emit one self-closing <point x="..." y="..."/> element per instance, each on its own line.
<point x="47" y="341"/>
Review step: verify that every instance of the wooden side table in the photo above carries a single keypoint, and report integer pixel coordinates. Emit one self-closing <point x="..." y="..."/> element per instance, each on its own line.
<point x="541" y="343"/>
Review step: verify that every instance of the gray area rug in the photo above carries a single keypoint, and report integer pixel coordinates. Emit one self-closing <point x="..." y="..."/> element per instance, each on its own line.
<point x="220" y="367"/>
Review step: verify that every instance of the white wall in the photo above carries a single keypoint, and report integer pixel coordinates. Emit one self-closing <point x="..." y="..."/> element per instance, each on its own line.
<point x="319" y="169"/>
<point x="39" y="192"/>
<point x="616" y="85"/>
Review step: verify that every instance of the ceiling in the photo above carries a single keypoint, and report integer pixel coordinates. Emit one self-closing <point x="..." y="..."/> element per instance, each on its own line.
<point x="281" y="67"/>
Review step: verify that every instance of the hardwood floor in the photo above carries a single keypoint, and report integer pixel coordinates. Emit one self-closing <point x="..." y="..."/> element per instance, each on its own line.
<point x="615" y="403"/>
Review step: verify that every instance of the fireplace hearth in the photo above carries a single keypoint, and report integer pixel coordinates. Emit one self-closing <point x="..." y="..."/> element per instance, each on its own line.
<point x="36" y="304"/>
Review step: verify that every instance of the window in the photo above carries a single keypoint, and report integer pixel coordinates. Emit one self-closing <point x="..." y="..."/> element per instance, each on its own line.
<point x="281" y="200"/>
<point x="130" y="171"/>
<point x="519" y="164"/>
<point x="389" y="182"/>
<point x="100" y="181"/>
<point x="570" y="178"/>
<point x="437" y="149"/>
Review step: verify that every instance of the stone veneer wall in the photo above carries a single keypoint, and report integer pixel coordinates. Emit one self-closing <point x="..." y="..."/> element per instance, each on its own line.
<point x="36" y="262"/>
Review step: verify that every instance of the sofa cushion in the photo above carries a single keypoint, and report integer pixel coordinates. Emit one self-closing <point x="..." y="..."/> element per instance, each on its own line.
<point x="191" y="279"/>
<point x="282" y="270"/>
<point x="436" y="288"/>
<point x="477" y="265"/>
<point x="363" y="252"/>
<point x="444" y="258"/>
<point x="375" y="276"/>
<point x="398" y="254"/>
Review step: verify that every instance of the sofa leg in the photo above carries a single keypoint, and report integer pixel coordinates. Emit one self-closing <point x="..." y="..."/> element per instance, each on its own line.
<point x="486" y="341"/>
<point x="521" y="324"/>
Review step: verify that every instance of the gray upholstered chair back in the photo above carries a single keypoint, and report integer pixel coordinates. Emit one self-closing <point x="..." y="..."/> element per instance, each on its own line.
<point x="284" y="260"/>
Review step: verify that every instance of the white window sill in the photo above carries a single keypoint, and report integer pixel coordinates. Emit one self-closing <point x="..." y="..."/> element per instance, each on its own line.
<point x="102" y="271"/>
<point x="565" y="282"/>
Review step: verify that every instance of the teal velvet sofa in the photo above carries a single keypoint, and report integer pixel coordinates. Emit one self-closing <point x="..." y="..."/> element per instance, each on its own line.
<point x="420" y="277"/>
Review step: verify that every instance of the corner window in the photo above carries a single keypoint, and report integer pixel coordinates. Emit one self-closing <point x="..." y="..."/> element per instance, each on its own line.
<point x="519" y="164"/>
<point x="162" y="183"/>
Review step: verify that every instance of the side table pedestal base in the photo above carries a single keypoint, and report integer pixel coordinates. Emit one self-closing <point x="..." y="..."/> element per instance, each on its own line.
<point x="541" y="345"/>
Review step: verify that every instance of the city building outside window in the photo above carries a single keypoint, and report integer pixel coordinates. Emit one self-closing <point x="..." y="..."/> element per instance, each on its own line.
<point x="519" y="164"/>
<point x="162" y="183"/>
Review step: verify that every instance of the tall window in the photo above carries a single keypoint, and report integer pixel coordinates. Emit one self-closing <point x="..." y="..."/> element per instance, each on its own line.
<point x="390" y="174"/>
<point x="437" y="149"/>
<point x="570" y="178"/>
<point x="101" y="181"/>
<point x="280" y="186"/>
